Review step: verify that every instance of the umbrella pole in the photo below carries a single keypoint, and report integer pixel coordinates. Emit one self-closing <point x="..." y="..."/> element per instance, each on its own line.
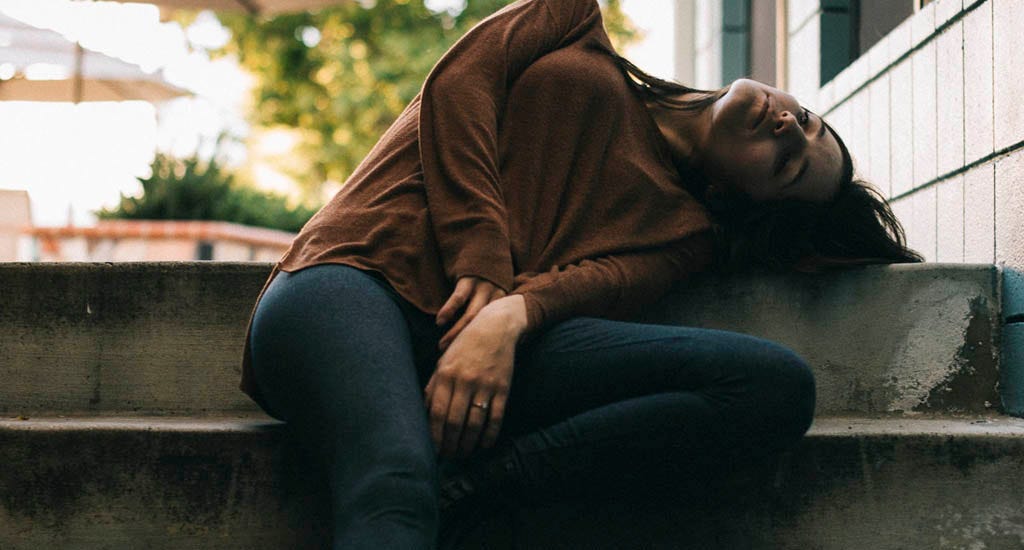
<point x="78" y="84"/>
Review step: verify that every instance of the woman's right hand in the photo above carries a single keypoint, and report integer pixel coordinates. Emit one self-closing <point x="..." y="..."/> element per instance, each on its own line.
<point x="472" y="294"/>
<point x="477" y="368"/>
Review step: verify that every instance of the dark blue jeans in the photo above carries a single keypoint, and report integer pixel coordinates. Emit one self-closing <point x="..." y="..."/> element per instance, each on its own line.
<point x="594" y="405"/>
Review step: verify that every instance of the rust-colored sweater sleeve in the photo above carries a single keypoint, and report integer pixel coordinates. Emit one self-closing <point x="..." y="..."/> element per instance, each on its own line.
<point x="462" y="102"/>
<point x="615" y="286"/>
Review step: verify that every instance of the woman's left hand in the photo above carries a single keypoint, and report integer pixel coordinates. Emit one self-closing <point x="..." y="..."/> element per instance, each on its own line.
<point x="476" y="368"/>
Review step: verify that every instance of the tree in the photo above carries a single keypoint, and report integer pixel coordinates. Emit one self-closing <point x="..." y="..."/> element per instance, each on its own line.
<point x="340" y="76"/>
<point x="192" y="189"/>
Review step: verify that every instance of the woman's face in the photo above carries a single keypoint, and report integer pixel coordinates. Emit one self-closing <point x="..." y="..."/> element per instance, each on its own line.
<point x="763" y="144"/>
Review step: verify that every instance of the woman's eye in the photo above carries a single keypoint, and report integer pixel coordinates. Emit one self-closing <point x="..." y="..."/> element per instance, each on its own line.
<point x="805" y="116"/>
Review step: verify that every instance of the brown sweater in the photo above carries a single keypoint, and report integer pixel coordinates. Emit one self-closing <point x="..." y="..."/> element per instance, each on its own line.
<point x="527" y="160"/>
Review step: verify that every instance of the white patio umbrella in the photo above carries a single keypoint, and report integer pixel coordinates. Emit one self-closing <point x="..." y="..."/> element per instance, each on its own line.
<point x="84" y="74"/>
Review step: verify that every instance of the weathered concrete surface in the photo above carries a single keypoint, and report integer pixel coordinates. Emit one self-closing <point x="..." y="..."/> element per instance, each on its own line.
<point x="166" y="338"/>
<point x="917" y="337"/>
<point x="148" y="337"/>
<point x="163" y="483"/>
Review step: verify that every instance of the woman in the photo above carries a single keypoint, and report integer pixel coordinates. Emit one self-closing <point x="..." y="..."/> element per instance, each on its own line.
<point x="462" y="299"/>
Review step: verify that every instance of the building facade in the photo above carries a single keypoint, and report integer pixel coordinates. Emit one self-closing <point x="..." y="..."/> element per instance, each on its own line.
<point x="925" y="94"/>
<point x="153" y="240"/>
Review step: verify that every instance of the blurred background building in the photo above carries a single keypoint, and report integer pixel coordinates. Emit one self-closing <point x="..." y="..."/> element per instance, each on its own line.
<point x="924" y="93"/>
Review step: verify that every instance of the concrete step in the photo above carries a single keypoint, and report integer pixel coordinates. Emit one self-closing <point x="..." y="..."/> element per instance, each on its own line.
<point x="232" y="482"/>
<point x="166" y="338"/>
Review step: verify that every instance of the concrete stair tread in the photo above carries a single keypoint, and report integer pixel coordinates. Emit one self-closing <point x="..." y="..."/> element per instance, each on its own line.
<point x="829" y="427"/>
<point x="232" y="482"/>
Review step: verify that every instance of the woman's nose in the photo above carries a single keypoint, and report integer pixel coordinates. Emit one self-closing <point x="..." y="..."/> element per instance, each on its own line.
<point x="787" y="125"/>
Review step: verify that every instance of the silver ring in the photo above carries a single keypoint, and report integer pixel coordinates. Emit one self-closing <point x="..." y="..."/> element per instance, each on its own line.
<point x="482" y="405"/>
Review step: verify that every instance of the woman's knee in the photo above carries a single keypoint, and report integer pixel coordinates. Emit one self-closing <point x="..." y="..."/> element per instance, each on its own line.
<point x="792" y="389"/>
<point x="404" y="485"/>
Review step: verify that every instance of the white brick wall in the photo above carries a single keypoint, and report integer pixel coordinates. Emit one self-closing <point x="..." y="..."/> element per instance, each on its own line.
<point x="878" y="172"/>
<point x="925" y="114"/>
<point x="950" y="95"/>
<point x="922" y="25"/>
<point x="921" y="233"/>
<point x="1008" y="64"/>
<point x="979" y="214"/>
<point x="978" y="82"/>
<point x="955" y="96"/>
<point x="950" y="220"/>
<point x="941" y="92"/>
<point x="901" y="101"/>
<point x="946" y="10"/>
<point x="859" y="137"/>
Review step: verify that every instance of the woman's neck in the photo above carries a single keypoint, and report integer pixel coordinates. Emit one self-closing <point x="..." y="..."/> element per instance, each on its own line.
<point x="685" y="131"/>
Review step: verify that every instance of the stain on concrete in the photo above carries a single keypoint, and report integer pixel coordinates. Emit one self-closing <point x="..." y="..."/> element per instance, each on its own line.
<point x="974" y="382"/>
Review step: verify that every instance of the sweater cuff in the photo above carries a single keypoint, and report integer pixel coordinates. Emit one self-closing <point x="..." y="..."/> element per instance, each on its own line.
<point x="486" y="258"/>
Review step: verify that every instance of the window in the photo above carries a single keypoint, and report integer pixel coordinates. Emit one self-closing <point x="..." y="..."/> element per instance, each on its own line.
<point x="748" y="40"/>
<point x="204" y="250"/>
<point x="849" y="28"/>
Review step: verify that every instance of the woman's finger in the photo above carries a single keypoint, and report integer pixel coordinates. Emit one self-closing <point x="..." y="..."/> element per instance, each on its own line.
<point x="475" y="421"/>
<point x="463" y="291"/>
<point x="479" y="300"/>
<point x="456" y="419"/>
<point x="494" y="419"/>
<point x="440" y="401"/>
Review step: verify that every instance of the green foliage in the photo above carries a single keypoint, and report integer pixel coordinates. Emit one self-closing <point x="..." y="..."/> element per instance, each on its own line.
<point x="343" y="91"/>
<point x="190" y="189"/>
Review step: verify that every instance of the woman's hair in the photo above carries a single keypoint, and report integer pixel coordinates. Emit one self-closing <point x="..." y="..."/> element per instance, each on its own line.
<point x="856" y="227"/>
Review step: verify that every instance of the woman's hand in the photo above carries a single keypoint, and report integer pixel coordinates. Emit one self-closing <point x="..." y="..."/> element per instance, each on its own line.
<point x="472" y="292"/>
<point x="476" y="368"/>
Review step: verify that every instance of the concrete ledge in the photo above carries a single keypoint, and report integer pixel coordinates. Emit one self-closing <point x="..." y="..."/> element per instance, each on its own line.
<point x="231" y="483"/>
<point x="911" y="337"/>
<point x="166" y="338"/>
<point x="162" y="337"/>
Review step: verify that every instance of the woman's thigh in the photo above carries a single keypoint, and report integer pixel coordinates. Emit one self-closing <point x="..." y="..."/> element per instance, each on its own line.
<point x="331" y="347"/>
<point x="581" y="364"/>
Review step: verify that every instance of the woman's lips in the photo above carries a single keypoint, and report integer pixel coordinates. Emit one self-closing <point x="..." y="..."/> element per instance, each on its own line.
<point x="763" y="113"/>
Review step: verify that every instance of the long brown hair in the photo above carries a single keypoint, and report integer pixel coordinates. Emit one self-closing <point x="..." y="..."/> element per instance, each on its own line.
<point x="856" y="227"/>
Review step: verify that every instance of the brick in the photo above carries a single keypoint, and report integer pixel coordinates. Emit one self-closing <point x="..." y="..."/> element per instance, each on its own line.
<point x="925" y="146"/>
<point x="922" y="25"/>
<point x="901" y="139"/>
<point x="946" y="10"/>
<point x="878" y="56"/>
<point x="878" y="172"/>
<point x="979" y="215"/>
<point x="826" y="99"/>
<point x="841" y="120"/>
<point x="1009" y="202"/>
<point x="904" y="212"/>
<point x="950" y="105"/>
<point x="804" y="71"/>
<point x="860" y="144"/>
<point x="800" y="11"/>
<point x="978" y="112"/>
<point x="1008" y="70"/>
<point x="858" y="73"/>
<point x="921" y="233"/>
<point x="899" y="40"/>
<point x="950" y="220"/>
